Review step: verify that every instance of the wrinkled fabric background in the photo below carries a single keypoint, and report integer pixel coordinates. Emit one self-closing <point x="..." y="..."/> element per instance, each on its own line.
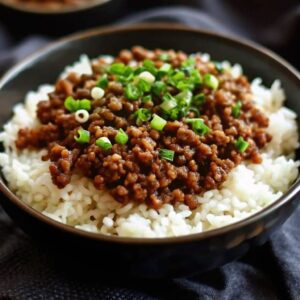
<point x="269" y="272"/>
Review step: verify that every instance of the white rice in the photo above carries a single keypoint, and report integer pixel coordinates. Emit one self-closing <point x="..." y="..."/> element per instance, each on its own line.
<point x="248" y="189"/>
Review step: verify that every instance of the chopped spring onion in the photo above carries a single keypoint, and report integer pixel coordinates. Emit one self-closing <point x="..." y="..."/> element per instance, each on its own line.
<point x="165" y="69"/>
<point x="164" y="57"/>
<point x="82" y="116"/>
<point x="158" y="123"/>
<point x="178" y="106"/>
<point x="102" y="82"/>
<point x="73" y="105"/>
<point x="147" y="98"/>
<point x="168" y="97"/>
<point x="125" y="79"/>
<point x="185" y="85"/>
<point x="166" y="154"/>
<point x="168" y="105"/>
<point x="85" y="104"/>
<point x="175" y="113"/>
<point x="128" y="72"/>
<point x="132" y="92"/>
<point x="184" y="98"/>
<point x="195" y="110"/>
<point x="121" y="137"/>
<point x="198" y="126"/>
<point x="178" y="76"/>
<point x="149" y="66"/>
<point x="140" y="70"/>
<point x="144" y="85"/>
<point x="83" y="136"/>
<point x="236" y="109"/>
<point x="219" y="66"/>
<point x="195" y="76"/>
<point x="142" y="115"/>
<point x="241" y="144"/>
<point x="190" y="62"/>
<point x="199" y="99"/>
<point x="158" y="88"/>
<point x="117" y="69"/>
<point x="104" y="143"/>
<point x="97" y="93"/>
<point x="211" y="81"/>
<point x="147" y="76"/>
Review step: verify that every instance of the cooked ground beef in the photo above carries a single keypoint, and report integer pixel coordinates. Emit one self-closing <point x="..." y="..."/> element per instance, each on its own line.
<point x="136" y="171"/>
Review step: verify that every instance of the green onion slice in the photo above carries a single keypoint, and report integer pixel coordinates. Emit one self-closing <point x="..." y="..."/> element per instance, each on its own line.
<point x="144" y="85"/>
<point x="158" y="88"/>
<point x="185" y="85"/>
<point x="168" y="97"/>
<point x="158" y="123"/>
<point x="184" y="98"/>
<point x="168" y="105"/>
<point x="241" y="144"/>
<point x="190" y="62"/>
<point x="104" y="143"/>
<point x="73" y="105"/>
<point x="164" y="57"/>
<point x="195" y="110"/>
<point x="165" y="69"/>
<point x="117" y="69"/>
<point x="149" y="66"/>
<point x="85" y="104"/>
<point x="102" y="82"/>
<point x="195" y="76"/>
<point x="142" y="115"/>
<point x="211" y="81"/>
<point x="219" y="66"/>
<point x="175" y="113"/>
<point x="166" y="154"/>
<point x="178" y="76"/>
<point x="147" y="98"/>
<point x="124" y="79"/>
<point x="198" y="126"/>
<point x="236" y="109"/>
<point x="83" y="136"/>
<point x="199" y="99"/>
<point x="121" y="137"/>
<point x="132" y="92"/>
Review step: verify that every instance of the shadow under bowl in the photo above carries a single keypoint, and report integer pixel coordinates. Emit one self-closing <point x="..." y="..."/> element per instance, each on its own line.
<point x="155" y="258"/>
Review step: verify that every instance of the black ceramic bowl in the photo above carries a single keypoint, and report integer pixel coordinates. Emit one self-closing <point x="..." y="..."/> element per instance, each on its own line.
<point x="150" y="257"/>
<point x="27" y="19"/>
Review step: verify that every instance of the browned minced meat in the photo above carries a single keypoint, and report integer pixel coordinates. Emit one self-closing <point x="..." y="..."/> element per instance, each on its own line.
<point x="135" y="172"/>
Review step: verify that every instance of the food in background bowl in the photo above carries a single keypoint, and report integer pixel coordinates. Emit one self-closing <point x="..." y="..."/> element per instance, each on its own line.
<point x="49" y="4"/>
<point x="151" y="144"/>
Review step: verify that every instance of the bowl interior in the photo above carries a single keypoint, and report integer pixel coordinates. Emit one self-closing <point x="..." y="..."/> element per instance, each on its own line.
<point x="44" y="67"/>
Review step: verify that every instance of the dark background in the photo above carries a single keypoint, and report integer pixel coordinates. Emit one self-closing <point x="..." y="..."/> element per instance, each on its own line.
<point x="268" y="272"/>
<point x="273" y="23"/>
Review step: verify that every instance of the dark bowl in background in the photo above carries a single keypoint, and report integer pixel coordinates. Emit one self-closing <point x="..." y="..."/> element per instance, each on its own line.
<point x="35" y="19"/>
<point x="156" y="258"/>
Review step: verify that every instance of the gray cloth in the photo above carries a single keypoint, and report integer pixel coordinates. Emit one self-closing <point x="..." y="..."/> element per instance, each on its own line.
<point x="269" y="272"/>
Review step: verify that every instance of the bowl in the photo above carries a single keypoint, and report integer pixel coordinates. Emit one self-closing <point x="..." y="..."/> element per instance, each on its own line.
<point x="24" y="19"/>
<point x="159" y="257"/>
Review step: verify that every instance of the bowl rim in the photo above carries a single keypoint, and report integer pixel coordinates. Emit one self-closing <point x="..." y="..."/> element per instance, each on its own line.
<point x="291" y="72"/>
<point x="35" y="9"/>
